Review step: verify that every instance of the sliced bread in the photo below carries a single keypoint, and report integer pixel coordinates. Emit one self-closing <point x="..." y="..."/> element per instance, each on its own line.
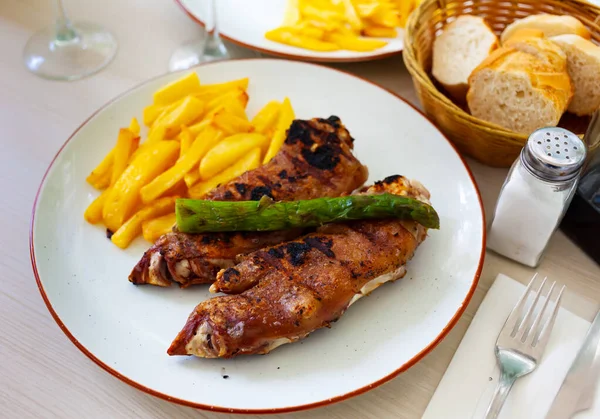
<point x="543" y="49"/>
<point x="583" y="65"/>
<point x="463" y="45"/>
<point x="523" y="33"/>
<point x="519" y="91"/>
<point x="550" y="25"/>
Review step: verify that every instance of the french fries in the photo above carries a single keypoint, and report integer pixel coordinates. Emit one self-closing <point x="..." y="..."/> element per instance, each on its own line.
<point x="100" y="176"/>
<point x="170" y="177"/>
<point x="286" y="116"/>
<point x="93" y="213"/>
<point x="228" y="151"/>
<point x="127" y="142"/>
<point x="249" y="162"/>
<point x="229" y="123"/>
<point x="265" y="119"/>
<point x="188" y="111"/>
<point x="153" y="229"/>
<point x="134" y="126"/>
<point x="195" y="137"/>
<point x="331" y="25"/>
<point x="133" y="227"/>
<point x="124" y="194"/>
<point x="177" y="89"/>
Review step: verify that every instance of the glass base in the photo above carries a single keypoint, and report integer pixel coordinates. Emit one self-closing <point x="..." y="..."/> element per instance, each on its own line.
<point x="89" y="51"/>
<point x="198" y="51"/>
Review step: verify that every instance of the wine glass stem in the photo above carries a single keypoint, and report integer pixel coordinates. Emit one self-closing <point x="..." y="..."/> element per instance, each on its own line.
<point x="64" y="29"/>
<point x="211" y="26"/>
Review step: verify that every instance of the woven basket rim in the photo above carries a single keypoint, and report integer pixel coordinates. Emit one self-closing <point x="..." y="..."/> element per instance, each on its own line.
<point x="418" y="72"/>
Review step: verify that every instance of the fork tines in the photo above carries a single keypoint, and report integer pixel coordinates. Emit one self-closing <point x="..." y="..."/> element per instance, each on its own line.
<point x="523" y="327"/>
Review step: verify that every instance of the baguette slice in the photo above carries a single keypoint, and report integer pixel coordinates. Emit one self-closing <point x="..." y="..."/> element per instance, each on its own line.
<point x="519" y="91"/>
<point x="523" y="33"/>
<point x="543" y="49"/>
<point x="583" y="65"/>
<point x="550" y="25"/>
<point x="463" y="45"/>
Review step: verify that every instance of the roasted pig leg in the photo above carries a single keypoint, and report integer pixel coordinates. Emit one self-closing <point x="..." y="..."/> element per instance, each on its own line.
<point x="282" y="293"/>
<point x="316" y="160"/>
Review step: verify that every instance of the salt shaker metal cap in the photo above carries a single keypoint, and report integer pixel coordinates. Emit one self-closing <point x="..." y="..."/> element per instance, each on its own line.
<point x="554" y="154"/>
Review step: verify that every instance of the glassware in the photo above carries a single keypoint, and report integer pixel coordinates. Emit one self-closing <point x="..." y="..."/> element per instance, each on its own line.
<point x="69" y="51"/>
<point x="209" y="48"/>
<point x="582" y="221"/>
<point x="536" y="194"/>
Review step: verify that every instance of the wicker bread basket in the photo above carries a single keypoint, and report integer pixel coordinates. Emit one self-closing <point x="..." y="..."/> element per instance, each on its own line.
<point x="486" y="142"/>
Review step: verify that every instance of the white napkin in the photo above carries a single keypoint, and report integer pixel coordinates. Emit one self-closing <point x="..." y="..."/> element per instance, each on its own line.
<point x="471" y="377"/>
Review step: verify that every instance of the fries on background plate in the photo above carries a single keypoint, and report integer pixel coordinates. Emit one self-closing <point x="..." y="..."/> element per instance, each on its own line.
<point x="331" y="25"/>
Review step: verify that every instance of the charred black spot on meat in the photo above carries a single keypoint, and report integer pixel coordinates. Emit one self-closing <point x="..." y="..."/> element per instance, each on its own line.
<point x="335" y="121"/>
<point x="322" y="244"/>
<point x="260" y="191"/>
<point x="228" y="195"/>
<point x="208" y="239"/>
<point x="230" y="274"/>
<point x="283" y="174"/>
<point x="300" y="131"/>
<point x="297" y="252"/>
<point x="388" y="180"/>
<point x="241" y="188"/>
<point x="276" y="252"/>
<point x="325" y="157"/>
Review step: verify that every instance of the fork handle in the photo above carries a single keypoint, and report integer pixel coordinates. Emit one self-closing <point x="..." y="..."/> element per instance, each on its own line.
<point x="502" y="389"/>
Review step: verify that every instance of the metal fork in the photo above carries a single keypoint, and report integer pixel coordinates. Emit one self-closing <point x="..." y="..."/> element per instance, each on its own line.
<point x="521" y="343"/>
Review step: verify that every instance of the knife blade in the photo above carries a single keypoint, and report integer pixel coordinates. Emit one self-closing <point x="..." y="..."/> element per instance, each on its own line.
<point x="578" y="378"/>
<point x="586" y="400"/>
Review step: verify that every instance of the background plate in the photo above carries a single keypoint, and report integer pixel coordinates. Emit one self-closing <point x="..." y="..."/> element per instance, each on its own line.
<point x="127" y="329"/>
<point x="245" y="23"/>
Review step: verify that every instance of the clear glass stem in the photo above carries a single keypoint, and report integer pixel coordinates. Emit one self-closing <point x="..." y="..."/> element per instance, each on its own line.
<point x="212" y="26"/>
<point x="64" y="29"/>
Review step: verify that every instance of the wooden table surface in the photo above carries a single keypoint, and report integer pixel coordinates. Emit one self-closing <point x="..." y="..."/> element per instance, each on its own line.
<point x="42" y="374"/>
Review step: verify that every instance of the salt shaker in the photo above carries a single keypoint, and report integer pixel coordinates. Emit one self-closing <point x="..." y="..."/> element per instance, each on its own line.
<point x="536" y="194"/>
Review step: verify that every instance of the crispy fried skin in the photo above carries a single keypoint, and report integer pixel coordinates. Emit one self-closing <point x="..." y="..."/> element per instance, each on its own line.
<point x="282" y="293"/>
<point x="316" y="160"/>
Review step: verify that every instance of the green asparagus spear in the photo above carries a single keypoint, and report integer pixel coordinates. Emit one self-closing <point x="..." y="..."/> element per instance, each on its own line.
<point x="200" y="216"/>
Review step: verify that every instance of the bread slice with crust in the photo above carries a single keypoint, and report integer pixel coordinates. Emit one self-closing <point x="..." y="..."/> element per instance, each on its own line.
<point x="583" y="65"/>
<point x="550" y="25"/>
<point x="543" y="49"/>
<point x="463" y="45"/>
<point x="520" y="91"/>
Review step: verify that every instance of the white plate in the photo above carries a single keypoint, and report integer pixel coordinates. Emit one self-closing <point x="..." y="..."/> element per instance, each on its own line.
<point x="126" y="329"/>
<point x="245" y="23"/>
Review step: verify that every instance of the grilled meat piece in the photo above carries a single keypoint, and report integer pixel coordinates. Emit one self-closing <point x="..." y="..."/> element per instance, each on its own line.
<point x="316" y="160"/>
<point x="282" y="293"/>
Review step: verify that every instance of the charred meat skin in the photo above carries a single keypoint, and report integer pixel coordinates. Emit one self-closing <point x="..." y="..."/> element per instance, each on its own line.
<point x="282" y="293"/>
<point x="315" y="160"/>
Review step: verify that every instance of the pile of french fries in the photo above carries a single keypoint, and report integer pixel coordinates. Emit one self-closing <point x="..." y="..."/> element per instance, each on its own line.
<point x="199" y="137"/>
<point x="331" y="25"/>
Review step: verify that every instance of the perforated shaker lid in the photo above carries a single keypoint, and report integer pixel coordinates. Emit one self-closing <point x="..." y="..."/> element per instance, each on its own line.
<point x="554" y="154"/>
